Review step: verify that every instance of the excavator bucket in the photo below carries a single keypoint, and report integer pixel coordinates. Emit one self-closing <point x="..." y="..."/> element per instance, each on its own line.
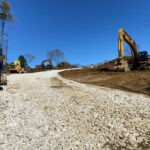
<point x="121" y="65"/>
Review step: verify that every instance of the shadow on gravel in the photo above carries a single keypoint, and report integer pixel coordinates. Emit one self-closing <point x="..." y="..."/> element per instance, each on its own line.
<point x="141" y="146"/>
<point x="56" y="83"/>
<point x="1" y="88"/>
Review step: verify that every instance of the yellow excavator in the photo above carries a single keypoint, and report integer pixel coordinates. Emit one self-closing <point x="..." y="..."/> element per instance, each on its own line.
<point x="16" y="67"/>
<point x="141" y="60"/>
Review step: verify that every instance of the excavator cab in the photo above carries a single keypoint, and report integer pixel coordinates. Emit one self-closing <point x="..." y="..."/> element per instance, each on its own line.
<point x="143" y="56"/>
<point x="13" y="66"/>
<point x="144" y="60"/>
<point x="16" y="67"/>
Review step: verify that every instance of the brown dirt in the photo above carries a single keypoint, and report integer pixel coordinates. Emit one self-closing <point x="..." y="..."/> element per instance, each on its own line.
<point x="64" y="65"/>
<point x="135" y="81"/>
<point x="56" y="83"/>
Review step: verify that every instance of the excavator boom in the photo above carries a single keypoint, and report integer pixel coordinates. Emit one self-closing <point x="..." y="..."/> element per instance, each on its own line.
<point x="47" y="60"/>
<point x="123" y="36"/>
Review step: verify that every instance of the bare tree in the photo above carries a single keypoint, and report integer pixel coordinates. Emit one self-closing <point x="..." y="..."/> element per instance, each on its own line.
<point x="138" y="47"/>
<point x="128" y="51"/>
<point x="56" y="55"/>
<point x="59" y="56"/>
<point x="51" y="55"/>
<point x="29" y="58"/>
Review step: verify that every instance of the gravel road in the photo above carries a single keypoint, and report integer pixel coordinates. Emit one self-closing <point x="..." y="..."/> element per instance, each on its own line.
<point x="44" y="111"/>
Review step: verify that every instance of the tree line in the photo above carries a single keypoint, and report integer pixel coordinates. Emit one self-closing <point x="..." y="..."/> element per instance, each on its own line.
<point x="56" y="56"/>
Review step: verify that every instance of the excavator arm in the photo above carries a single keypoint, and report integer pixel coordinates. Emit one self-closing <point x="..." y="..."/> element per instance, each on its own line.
<point x="123" y="36"/>
<point x="42" y="66"/>
<point x="47" y="60"/>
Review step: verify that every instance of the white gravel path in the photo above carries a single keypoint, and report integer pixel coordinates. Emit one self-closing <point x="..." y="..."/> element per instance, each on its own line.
<point x="46" y="112"/>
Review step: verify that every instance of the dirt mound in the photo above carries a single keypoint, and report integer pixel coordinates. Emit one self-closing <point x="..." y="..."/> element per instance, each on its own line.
<point x="64" y="65"/>
<point x="109" y="65"/>
<point x="134" y="81"/>
<point x="32" y="70"/>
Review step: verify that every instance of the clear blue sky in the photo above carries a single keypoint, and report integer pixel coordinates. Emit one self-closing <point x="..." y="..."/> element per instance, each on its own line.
<point x="85" y="30"/>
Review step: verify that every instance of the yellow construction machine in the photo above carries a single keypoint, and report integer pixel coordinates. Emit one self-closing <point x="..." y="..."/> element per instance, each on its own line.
<point x="141" y="60"/>
<point x="16" y="67"/>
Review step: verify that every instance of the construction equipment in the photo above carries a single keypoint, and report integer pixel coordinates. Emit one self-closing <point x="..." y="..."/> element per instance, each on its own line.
<point x="42" y="66"/>
<point x="3" y="77"/>
<point x="141" y="60"/>
<point x="144" y="60"/>
<point x="16" y="67"/>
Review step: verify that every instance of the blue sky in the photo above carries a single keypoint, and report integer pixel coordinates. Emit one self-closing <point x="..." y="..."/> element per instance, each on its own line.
<point x="85" y="30"/>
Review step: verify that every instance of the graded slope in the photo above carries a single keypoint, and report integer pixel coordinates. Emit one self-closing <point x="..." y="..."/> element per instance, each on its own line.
<point x="134" y="81"/>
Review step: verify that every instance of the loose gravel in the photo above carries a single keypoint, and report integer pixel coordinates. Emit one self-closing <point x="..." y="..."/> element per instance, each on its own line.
<point x="44" y="111"/>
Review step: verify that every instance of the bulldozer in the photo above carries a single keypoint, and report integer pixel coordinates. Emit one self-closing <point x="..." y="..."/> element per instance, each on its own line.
<point x="3" y="76"/>
<point x="141" y="60"/>
<point x="16" y="67"/>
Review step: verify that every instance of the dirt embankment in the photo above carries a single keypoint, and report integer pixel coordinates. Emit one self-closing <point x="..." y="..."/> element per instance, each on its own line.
<point x="135" y="81"/>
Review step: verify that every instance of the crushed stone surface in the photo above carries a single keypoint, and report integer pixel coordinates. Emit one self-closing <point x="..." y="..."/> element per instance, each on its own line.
<point x="44" y="111"/>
